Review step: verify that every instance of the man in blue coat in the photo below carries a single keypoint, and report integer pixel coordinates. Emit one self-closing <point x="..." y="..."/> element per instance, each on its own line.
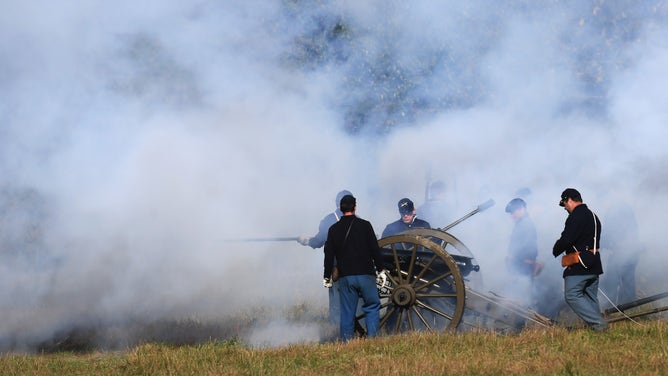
<point x="582" y="233"/>
<point x="407" y="221"/>
<point x="521" y="263"/>
<point x="317" y="241"/>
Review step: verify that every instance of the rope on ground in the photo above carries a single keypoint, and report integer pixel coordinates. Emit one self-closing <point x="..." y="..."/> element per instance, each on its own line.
<point x="617" y="308"/>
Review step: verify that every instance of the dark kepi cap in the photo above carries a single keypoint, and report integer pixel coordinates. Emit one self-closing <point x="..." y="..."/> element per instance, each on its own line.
<point x="571" y="193"/>
<point x="405" y="206"/>
<point x="514" y="204"/>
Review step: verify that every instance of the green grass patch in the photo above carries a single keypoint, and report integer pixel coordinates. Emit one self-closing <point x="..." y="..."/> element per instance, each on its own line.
<point x="626" y="349"/>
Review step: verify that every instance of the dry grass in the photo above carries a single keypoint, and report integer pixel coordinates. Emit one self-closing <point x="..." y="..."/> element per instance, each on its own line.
<point x="626" y="349"/>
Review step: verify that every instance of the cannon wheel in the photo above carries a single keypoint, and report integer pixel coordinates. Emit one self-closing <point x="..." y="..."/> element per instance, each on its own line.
<point x="455" y="248"/>
<point x="445" y="239"/>
<point x="426" y="290"/>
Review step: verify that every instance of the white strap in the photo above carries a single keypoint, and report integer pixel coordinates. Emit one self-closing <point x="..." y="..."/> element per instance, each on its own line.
<point x="595" y="230"/>
<point x="580" y="259"/>
<point x="595" y="249"/>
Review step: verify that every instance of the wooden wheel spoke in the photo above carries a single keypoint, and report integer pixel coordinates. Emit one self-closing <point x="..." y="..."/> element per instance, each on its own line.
<point x="397" y="264"/>
<point x="422" y="319"/>
<point x="426" y="289"/>
<point x="434" y="281"/>
<point x="387" y="316"/>
<point x="436" y="295"/>
<point x="409" y="318"/>
<point x="411" y="264"/>
<point x="426" y="268"/>
<point x="433" y="310"/>
<point x="397" y="324"/>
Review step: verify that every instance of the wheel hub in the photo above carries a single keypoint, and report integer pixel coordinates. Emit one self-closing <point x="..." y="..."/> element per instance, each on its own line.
<point x="403" y="296"/>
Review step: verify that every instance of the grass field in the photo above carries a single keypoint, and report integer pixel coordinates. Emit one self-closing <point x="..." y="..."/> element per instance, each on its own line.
<point x="626" y="349"/>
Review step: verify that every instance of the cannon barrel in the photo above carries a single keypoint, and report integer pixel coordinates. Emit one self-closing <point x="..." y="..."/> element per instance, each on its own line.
<point x="482" y="207"/>
<point x="638" y="314"/>
<point x="274" y="239"/>
<point x="635" y="303"/>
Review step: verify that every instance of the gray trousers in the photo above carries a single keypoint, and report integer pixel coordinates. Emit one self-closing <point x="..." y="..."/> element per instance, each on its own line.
<point x="581" y="294"/>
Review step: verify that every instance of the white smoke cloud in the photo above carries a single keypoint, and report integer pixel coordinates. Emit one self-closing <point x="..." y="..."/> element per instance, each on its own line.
<point x="156" y="133"/>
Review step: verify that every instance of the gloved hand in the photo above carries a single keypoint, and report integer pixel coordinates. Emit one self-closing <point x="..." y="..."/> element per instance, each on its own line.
<point x="327" y="282"/>
<point x="304" y="240"/>
<point x="381" y="277"/>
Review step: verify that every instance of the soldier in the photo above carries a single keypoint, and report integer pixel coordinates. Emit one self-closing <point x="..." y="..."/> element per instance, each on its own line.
<point x="317" y="241"/>
<point x="521" y="261"/>
<point x="581" y="236"/>
<point x="407" y="221"/>
<point x="352" y="242"/>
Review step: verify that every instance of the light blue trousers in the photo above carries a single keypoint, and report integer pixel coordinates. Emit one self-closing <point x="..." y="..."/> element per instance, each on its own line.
<point x="581" y="294"/>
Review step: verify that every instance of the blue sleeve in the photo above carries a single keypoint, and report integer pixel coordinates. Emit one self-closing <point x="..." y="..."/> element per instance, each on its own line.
<point x="387" y="231"/>
<point x="319" y="239"/>
<point x="568" y="237"/>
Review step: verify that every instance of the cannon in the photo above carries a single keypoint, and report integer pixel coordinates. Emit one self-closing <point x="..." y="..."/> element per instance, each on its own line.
<point x="434" y="285"/>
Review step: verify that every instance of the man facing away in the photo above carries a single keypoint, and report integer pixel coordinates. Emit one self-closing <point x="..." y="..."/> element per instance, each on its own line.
<point x="352" y="243"/>
<point x="582" y="233"/>
<point x="407" y="221"/>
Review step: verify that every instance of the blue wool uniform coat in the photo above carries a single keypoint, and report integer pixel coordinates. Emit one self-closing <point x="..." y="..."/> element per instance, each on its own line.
<point x="523" y="246"/>
<point x="579" y="233"/>
<point x="399" y="226"/>
<point x="319" y="239"/>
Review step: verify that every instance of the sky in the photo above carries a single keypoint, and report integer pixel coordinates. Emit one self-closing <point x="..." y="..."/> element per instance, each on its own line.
<point x="138" y="140"/>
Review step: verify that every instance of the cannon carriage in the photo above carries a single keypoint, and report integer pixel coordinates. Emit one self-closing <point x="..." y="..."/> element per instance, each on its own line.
<point x="435" y="284"/>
